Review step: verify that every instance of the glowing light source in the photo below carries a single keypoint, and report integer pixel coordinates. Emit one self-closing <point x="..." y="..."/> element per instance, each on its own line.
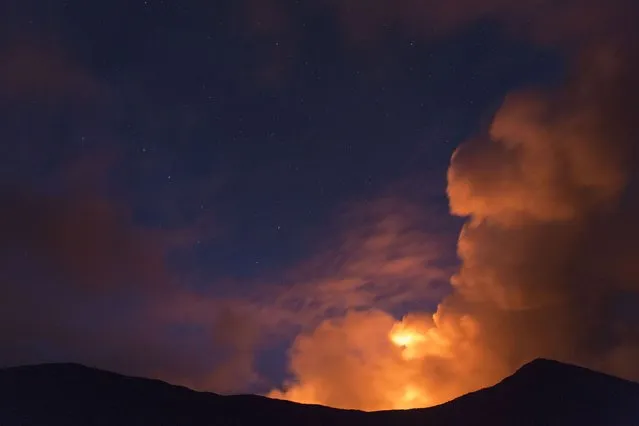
<point x="370" y="361"/>
<point x="405" y="337"/>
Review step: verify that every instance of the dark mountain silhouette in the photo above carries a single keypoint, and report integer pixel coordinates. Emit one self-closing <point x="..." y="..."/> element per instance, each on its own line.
<point x="542" y="392"/>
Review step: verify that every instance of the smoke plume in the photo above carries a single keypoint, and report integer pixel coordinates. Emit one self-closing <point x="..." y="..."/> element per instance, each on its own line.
<point x="547" y="252"/>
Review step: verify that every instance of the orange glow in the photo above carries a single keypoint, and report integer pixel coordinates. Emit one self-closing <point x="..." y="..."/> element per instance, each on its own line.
<point x="413" y="397"/>
<point x="405" y="337"/>
<point x="543" y="192"/>
<point x="370" y="361"/>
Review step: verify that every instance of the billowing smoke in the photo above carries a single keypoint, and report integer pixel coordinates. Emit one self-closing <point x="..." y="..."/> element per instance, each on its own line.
<point x="546" y="197"/>
<point x="368" y="360"/>
<point x="547" y="255"/>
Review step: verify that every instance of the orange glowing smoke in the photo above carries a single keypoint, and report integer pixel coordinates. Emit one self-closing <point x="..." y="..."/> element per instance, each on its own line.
<point x="370" y="361"/>
<point x="549" y="216"/>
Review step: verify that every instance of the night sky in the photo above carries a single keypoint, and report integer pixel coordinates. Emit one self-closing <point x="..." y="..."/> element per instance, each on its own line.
<point x="187" y="186"/>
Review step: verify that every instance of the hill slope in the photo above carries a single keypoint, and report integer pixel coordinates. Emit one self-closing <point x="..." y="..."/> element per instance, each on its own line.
<point x="542" y="392"/>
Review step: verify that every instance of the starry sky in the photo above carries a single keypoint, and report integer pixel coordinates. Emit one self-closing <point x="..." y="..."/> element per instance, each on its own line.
<point x="181" y="178"/>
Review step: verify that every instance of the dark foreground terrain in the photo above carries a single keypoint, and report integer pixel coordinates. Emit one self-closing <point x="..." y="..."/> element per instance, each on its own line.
<point x="540" y="393"/>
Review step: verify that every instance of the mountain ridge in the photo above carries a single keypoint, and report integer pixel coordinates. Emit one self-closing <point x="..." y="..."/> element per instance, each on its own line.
<point x="540" y="392"/>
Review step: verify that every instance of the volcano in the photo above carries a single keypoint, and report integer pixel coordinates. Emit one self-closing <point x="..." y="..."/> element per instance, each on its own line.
<point x="542" y="392"/>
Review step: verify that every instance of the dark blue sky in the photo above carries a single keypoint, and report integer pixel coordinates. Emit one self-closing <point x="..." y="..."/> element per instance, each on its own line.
<point x="198" y="131"/>
<point x="236" y="139"/>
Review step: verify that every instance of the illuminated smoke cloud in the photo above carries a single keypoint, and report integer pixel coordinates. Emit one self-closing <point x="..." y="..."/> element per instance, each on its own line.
<point x="546" y="256"/>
